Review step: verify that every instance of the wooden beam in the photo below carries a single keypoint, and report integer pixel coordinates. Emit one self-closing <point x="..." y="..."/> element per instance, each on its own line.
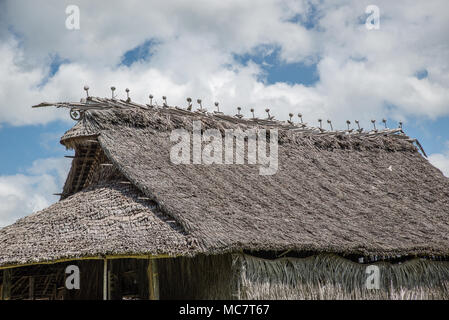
<point x="7" y="279"/>
<point x="119" y="256"/>
<point x="80" y="158"/>
<point x="31" y="288"/>
<point x="109" y="282"/>
<point x="47" y="283"/>
<point x="150" y="281"/>
<point x="153" y="280"/>
<point x="105" y="279"/>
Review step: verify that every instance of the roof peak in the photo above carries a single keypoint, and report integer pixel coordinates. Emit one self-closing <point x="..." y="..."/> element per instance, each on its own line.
<point x="77" y="110"/>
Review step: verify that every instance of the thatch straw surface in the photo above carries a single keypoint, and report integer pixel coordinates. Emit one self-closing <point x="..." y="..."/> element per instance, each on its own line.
<point x="328" y="276"/>
<point x="104" y="219"/>
<point x="342" y="194"/>
<point x="81" y="128"/>
<point x="367" y="194"/>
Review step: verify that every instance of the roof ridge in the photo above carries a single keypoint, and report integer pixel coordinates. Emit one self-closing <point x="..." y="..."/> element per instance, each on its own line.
<point x="77" y="109"/>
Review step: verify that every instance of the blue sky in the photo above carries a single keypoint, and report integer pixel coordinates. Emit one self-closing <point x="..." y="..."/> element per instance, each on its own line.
<point x="308" y="56"/>
<point x="275" y="70"/>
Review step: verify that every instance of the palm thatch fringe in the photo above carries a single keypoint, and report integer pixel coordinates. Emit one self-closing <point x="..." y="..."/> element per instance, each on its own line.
<point x="328" y="276"/>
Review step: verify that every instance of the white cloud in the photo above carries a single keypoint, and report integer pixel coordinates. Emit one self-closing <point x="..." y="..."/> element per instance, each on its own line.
<point x="19" y="88"/>
<point x="361" y="72"/>
<point x="23" y="194"/>
<point x="109" y="29"/>
<point x="441" y="160"/>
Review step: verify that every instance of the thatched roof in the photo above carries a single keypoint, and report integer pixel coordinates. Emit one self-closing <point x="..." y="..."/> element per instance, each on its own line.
<point x="104" y="219"/>
<point x="340" y="192"/>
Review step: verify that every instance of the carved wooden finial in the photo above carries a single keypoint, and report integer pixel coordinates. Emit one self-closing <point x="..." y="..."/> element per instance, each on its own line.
<point x="86" y="88"/>
<point x="128" y="99"/>
<point x="189" y="104"/>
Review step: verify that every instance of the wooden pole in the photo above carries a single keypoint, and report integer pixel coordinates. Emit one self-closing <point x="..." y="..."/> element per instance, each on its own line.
<point x="150" y="281"/>
<point x="6" y="290"/>
<point x="105" y="279"/>
<point x="31" y="288"/>
<point x="55" y="292"/>
<point x="109" y="283"/>
<point x="153" y="279"/>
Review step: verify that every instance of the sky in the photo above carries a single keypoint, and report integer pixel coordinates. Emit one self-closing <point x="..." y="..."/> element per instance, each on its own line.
<point x="316" y="57"/>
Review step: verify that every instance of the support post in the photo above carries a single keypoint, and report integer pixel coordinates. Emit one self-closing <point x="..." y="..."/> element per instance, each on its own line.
<point x="153" y="279"/>
<point x="6" y="289"/>
<point x="105" y="279"/>
<point x="31" y="288"/>
<point x="109" y="282"/>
